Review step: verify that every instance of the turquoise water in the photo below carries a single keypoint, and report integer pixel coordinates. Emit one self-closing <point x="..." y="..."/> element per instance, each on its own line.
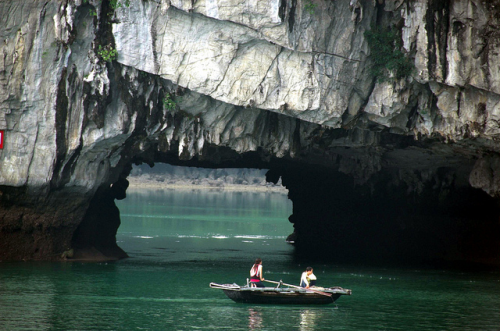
<point x="180" y="241"/>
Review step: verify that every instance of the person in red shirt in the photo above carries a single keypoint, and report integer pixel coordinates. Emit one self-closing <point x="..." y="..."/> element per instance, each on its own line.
<point x="256" y="274"/>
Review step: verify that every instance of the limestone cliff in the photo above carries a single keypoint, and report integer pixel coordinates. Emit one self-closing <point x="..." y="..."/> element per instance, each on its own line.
<point x="89" y="87"/>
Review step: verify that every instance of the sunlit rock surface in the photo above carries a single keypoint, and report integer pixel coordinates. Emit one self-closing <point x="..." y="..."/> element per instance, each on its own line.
<point x="277" y="84"/>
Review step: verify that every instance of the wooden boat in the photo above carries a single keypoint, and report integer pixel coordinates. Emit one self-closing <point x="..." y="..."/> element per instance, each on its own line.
<point x="289" y="294"/>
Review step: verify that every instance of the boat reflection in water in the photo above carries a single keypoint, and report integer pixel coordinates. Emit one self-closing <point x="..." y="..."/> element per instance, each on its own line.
<point x="307" y="319"/>
<point x="254" y="319"/>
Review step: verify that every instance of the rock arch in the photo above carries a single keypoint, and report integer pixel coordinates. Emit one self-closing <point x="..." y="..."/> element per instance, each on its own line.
<point x="304" y="107"/>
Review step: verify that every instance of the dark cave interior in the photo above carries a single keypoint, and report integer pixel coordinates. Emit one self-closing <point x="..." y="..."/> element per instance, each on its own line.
<point x="335" y="219"/>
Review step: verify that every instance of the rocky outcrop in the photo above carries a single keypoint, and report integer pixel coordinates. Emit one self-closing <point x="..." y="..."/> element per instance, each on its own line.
<point x="90" y="87"/>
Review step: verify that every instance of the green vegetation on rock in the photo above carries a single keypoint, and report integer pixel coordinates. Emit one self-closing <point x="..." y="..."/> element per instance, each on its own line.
<point x="310" y="7"/>
<point x="168" y="103"/>
<point x="107" y="53"/>
<point x="386" y="55"/>
<point x="114" y="4"/>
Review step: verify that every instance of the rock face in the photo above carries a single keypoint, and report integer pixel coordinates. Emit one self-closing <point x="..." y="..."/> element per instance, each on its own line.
<point x="89" y="87"/>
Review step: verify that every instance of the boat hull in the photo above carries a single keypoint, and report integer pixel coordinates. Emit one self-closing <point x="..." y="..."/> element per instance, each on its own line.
<point x="281" y="295"/>
<point x="270" y="297"/>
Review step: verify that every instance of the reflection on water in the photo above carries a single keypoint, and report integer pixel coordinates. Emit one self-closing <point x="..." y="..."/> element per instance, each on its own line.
<point x="198" y="203"/>
<point x="254" y="319"/>
<point x="307" y="319"/>
<point x="205" y="214"/>
<point x="192" y="225"/>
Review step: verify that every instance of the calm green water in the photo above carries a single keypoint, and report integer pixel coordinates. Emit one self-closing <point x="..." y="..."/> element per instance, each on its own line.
<point x="180" y="241"/>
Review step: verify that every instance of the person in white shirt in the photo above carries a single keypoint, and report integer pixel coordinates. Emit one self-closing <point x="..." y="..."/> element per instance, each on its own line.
<point x="308" y="279"/>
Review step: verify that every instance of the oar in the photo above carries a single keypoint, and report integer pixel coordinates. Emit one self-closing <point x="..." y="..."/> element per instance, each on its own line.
<point x="303" y="288"/>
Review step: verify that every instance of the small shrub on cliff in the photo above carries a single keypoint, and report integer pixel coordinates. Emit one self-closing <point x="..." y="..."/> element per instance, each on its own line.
<point x="310" y="7"/>
<point x="168" y="103"/>
<point x="107" y="53"/>
<point x="385" y="52"/>
<point x="114" y="4"/>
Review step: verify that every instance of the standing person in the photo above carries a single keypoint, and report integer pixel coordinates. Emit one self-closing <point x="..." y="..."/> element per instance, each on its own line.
<point x="308" y="279"/>
<point x="256" y="274"/>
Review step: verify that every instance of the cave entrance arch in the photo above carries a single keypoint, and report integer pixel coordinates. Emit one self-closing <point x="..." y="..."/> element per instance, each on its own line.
<point x="95" y="238"/>
<point x="336" y="218"/>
